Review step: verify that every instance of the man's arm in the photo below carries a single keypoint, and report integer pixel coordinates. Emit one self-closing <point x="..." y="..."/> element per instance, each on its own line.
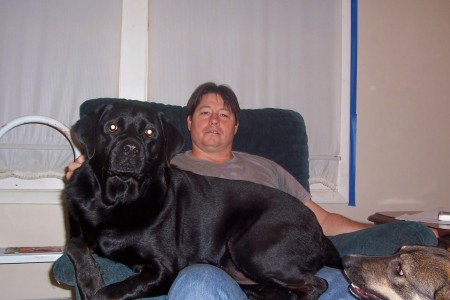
<point x="333" y="224"/>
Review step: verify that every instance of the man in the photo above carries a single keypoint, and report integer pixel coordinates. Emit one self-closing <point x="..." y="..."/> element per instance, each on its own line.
<point x="213" y="120"/>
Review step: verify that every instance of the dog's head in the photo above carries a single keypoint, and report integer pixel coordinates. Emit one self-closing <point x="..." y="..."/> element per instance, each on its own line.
<point x="413" y="273"/>
<point x="126" y="142"/>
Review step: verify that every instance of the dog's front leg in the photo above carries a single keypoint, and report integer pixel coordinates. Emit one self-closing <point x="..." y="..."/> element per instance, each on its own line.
<point x="87" y="271"/>
<point x="150" y="281"/>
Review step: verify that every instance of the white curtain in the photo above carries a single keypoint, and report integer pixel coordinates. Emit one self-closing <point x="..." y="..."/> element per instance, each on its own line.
<point x="284" y="54"/>
<point x="54" y="54"/>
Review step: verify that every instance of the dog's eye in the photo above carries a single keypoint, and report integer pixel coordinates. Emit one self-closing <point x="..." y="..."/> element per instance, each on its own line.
<point x="399" y="270"/>
<point x="112" y="127"/>
<point x="148" y="132"/>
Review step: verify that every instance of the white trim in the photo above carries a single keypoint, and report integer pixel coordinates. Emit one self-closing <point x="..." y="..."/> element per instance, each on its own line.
<point x="320" y="193"/>
<point x="31" y="196"/>
<point x="343" y="173"/>
<point x="134" y="50"/>
<point x="26" y="258"/>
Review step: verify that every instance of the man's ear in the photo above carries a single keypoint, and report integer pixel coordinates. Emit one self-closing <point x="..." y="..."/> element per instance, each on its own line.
<point x="189" y="122"/>
<point x="236" y="128"/>
<point x="173" y="139"/>
<point x="84" y="132"/>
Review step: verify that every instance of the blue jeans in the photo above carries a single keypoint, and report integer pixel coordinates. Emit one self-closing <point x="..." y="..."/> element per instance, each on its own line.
<point x="196" y="282"/>
<point x="208" y="282"/>
<point x="384" y="239"/>
<point x="203" y="281"/>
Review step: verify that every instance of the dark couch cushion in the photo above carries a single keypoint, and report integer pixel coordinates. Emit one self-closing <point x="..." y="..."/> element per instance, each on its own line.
<point x="274" y="133"/>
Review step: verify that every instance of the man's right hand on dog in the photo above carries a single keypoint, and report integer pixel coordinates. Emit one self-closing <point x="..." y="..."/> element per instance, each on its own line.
<point x="74" y="165"/>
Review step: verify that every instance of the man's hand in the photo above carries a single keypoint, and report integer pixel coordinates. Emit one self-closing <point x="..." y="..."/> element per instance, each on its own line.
<point x="74" y="165"/>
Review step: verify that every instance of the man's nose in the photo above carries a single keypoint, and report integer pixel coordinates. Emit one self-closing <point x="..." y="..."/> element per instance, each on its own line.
<point x="214" y="119"/>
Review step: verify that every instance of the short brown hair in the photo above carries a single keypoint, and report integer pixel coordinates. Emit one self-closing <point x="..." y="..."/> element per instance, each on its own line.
<point x="227" y="94"/>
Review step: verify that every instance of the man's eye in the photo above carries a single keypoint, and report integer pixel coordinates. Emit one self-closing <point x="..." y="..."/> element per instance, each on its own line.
<point x="224" y="116"/>
<point x="148" y="132"/>
<point x="112" y="127"/>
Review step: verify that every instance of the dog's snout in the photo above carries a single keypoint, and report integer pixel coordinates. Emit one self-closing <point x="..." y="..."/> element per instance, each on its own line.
<point x="127" y="157"/>
<point x="130" y="149"/>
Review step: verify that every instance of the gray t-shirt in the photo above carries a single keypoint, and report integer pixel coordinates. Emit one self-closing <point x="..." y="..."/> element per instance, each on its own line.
<point x="244" y="166"/>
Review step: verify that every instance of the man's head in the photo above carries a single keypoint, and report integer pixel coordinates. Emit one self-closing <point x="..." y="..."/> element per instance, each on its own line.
<point x="227" y="95"/>
<point x="212" y="119"/>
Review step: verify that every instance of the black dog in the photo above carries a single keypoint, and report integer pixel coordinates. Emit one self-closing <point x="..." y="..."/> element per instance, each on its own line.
<point x="128" y="204"/>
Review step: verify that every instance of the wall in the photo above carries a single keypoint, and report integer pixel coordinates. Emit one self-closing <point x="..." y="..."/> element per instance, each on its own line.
<point x="403" y="106"/>
<point x="37" y="225"/>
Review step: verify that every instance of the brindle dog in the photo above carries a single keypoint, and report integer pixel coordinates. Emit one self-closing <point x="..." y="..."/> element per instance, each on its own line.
<point x="413" y="273"/>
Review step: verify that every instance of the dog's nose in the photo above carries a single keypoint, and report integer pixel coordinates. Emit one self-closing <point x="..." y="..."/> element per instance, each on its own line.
<point x="130" y="150"/>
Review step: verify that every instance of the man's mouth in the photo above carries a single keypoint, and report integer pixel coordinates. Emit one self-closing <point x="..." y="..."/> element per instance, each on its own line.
<point x="212" y="131"/>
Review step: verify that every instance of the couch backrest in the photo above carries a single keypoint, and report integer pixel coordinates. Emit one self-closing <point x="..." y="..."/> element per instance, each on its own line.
<point x="274" y="133"/>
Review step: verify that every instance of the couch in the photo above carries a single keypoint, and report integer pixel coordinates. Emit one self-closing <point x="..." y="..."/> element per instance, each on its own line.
<point x="277" y="134"/>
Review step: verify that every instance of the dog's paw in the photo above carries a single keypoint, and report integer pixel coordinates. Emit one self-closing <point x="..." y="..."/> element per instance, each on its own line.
<point x="87" y="271"/>
<point x="88" y="284"/>
<point x="101" y="296"/>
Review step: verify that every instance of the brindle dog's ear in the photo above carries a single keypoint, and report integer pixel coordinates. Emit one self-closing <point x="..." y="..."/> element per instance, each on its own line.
<point x="84" y="132"/>
<point x="173" y="139"/>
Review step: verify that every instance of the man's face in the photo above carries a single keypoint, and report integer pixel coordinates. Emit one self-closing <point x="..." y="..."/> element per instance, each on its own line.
<point x="212" y="125"/>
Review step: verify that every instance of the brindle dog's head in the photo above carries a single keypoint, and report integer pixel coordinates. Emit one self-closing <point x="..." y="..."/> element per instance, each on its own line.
<point x="126" y="144"/>
<point x="413" y="273"/>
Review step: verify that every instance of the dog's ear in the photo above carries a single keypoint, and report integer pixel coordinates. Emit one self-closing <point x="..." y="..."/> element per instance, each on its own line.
<point x="174" y="141"/>
<point x="84" y="132"/>
<point x="443" y="293"/>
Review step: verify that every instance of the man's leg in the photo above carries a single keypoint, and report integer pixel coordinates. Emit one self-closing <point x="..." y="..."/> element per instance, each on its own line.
<point x="209" y="282"/>
<point x="194" y="282"/>
<point x="337" y="285"/>
<point x="202" y="281"/>
<point x="384" y="239"/>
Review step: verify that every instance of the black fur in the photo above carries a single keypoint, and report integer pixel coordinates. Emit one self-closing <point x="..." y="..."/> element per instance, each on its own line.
<point x="128" y="204"/>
